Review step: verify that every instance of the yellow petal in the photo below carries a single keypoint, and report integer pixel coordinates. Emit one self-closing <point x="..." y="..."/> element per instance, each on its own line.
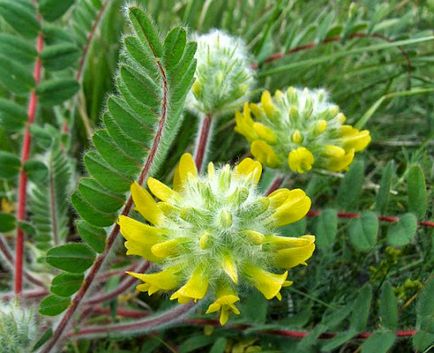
<point x="254" y="237"/>
<point x="353" y="138"/>
<point x="211" y="170"/>
<point x="264" y="153"/>
<point x="267" y="104"/>
<point x="167" y="248"/>
<point x="269" y="284"/>
<point x="290" y="257"/>
<point x="204" y="240"/>
<point x="265" y="133"/>
<point x="297" y="137"/>
<point x="140" y="237"/>
<point x="320" y="126"/>
<point x="333" y="151"/>
<point x="230" y="268"/>
<point x="339" y="164"/>
<point x="293" y="209"/>
<point x="251" y="168"/>
<point x="162" y="191"/>
<point x="145" y="204"/>
<point x="281" y="242"/>
<point x="185" y="168"/>
<point x="278" y="197"/>
<point x="195" y="288"/>
<point x="300" y="160"/>
<point x="257" y="111"/>
<point x="164" y="280"/>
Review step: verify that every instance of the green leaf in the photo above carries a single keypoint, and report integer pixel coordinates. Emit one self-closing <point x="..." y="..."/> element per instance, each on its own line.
<point x="326" y="229"/>
<point x="363" y="231"/>
<point x="49" y="201"/>
<point x="195" y="342"/>
<point x="17" y="48"/>
<point x="423" y="341"/>
<point x="7" y="222"/>
<point x="12" y="116"/>
<point x="425" y="307"/>
<point x="145" y="30"/>
<point x="360" y="312"/>
<point x="21" y="17"/>
<point x="402" y="232"/>
<point x="51" y="10"/>
<point x="90" y="213"/>
<point x="95" y="237"/>
<point x="59" y="56"/>
<point x="379" y="342"/>
<point x="66" y="284"/>
<point x="388" y="307"/>
<point x="417" y="193"/>
<point x="351" y="186"/>
<point x="36" y="170"/>
<point x="10" y="165"/>
<point x="53" y="305"/>
<point x="382" y="200"/>
<point x="43" y="339"/>
<point x="219" y="345"/>
<point x="338" y="340"/>
<point x="73" y="257"/>
<point x="254" y="308"/>
<point x="15" y="77"/>
<point x="56" y="91"/>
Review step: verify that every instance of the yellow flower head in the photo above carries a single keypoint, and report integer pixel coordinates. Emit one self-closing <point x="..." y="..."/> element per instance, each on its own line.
<point x="300" y="130"/>
<point x="213" y="233"/>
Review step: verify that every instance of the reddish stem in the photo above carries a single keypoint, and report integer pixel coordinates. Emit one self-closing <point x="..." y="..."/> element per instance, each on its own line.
<point x="145" y="324"/>
<point x="122" y="287"/>
<point x="97" y="265"/>
<point x="22" y="178"/>
<point x="202" y="141"/>
<point x="7" y="254"/>
<point x="277" y="182"/>
<point x="352" y="215"/>
<point x="132" y="314"/>
<point x="290" y="333"/>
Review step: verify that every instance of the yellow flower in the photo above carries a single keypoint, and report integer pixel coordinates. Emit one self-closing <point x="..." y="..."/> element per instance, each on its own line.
<point x="225" y="303"/>
<point x="299" y="130"/>
<point x="212" y="233"/>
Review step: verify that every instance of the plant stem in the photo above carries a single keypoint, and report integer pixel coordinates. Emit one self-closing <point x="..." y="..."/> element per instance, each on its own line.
<point x="275" y="184"/>
<point x="22" y="178"/>
<point x="77" y="301"/>
<point x="147" y="324"/>
<point x="203" y="140"/>
<point x="7" y="255"/>
<point x="290" y="333"/>
<point x="122" y="287"/>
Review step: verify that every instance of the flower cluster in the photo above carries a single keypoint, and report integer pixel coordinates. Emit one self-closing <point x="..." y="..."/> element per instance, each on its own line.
<point x="18" y="329"/>
<point x="300" y="129"/>
<point x="212" y="233"/>
<point x="223" y="74"/>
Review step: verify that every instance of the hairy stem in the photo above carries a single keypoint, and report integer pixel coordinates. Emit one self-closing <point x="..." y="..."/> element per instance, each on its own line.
<point x="22" y="178"/>
<point x="147" y="324"/>
<point x="9" y="259"/>
<point x="78" y="299"/>
<point x="203" y="140"/>
<point x="122" y="287"/>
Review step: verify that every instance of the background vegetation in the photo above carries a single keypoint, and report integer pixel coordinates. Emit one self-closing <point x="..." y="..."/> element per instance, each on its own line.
<point x="370" y="273"/>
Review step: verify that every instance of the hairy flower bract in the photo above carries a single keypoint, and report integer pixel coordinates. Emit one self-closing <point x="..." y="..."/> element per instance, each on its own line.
<point x="300" y="130"/>
<point x="214" y="233"/>
<point x="224" y="78"/>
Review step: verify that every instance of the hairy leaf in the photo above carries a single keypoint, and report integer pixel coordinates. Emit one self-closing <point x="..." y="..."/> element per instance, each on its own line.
<point x="73" y="257"/>
<point x="417" y="193"/>
<point x="363" y="231"/>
